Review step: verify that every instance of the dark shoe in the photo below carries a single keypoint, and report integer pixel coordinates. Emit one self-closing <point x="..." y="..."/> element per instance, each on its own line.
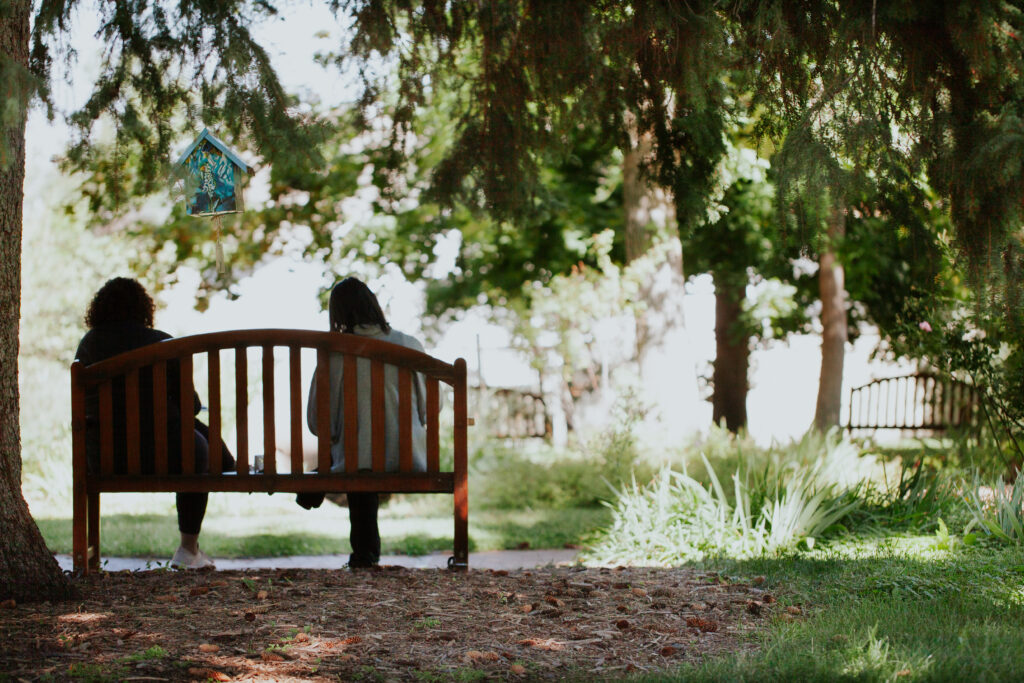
<point x="309" y="500"/>
<point x="355" y="562"/>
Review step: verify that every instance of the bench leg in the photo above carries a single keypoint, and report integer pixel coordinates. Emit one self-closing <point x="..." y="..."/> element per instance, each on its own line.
<point x="460" y="561"/>
<point x="79" y="538"/>
<point x="94" y="531"/>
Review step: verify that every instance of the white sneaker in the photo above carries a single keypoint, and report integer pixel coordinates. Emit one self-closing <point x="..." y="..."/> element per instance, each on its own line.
<point x="183" y="559"/>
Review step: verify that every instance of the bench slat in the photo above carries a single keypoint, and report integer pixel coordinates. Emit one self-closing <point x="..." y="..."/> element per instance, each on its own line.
<point x="188" y="424"/>
<point x="351" y="400"/>
<point x="107" y="428"/>
<point x="242" y="410"/>
<point x="213" y="392"/>
<point x="269" y="435"/>
<point x="412" y="482"/>
<point x="160" y="417"/>
<point x="377" y="420"/>
<point x="433" y="433"/>
<point x="295" y="394"/>
<point x="404" y="420"/>
<point x="131" y="425"/>
<point x="323" y="410"/>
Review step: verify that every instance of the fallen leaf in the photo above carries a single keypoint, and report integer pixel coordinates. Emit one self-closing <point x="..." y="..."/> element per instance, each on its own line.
<point x="794" y="609"/>
<point x="768" y="598"/>
<point x="7" y="604"/>
<point x="757" y="580"/>
<point x="705" y="625"/>
<point x="904" y="672"/>
<point x="218" y="583"/>
<point x="250" y="616"/>
<point x="262" y="595"/>
<point x="546" y="644"/>
<point x="571" y="546"/>
<point x="526" y="609"/>
<point x="166" y="598"/>
<point x="517" y="669"/>
<point x="301" y="637"/>
<point x="623" y="624"/>
<point x="209" y="647"/>
<point x="352" y="640"/>
<point x="639" y="592"/>
<point x="552" y="600"/>
<point x="199" y="590"/>
<point x="208" y="674"/>
<point x="620" y="586"/>
<point x="500" y="572"/>
<point x="346" y="657"/>
<point x="474" y="656"/>
<point x="271" y="657"/>
<point x="523" y="546"/>
<point x="754" y="607"/>
<point x="667" y="651"/>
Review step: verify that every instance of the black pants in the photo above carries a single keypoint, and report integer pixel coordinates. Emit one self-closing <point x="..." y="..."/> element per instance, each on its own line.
<point x="192" y="506"/>
<point x="364" y="535"/>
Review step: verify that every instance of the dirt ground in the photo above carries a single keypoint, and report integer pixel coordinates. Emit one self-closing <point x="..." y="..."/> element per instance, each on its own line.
<point x="391" y="623"/>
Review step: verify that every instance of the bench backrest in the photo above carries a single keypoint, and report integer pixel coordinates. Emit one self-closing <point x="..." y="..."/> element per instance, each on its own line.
<point x="127" y="368"/>
<point x="922" y="401"/>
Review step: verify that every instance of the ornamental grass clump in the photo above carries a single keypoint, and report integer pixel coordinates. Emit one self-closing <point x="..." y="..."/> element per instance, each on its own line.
<point x="675" y="519"/>
<point x="998" y="510"/>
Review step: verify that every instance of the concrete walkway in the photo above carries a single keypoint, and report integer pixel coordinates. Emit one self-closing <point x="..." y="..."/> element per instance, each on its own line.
<point x="491" y="559"/>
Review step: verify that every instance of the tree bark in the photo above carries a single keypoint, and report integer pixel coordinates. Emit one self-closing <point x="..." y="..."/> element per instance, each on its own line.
<point x="732" y="358"/>
<point x="832" y="290"/>
<point x="636" y="198"/>
<point x="28" y="571"/>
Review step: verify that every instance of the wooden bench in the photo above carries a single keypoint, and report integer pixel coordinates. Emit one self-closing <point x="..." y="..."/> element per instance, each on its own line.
<point x="102" y="377"/>
<point x="921" y="402"/>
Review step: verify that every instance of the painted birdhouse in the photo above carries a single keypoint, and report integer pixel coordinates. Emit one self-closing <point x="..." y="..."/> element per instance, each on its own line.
<point x="213" y="175"/>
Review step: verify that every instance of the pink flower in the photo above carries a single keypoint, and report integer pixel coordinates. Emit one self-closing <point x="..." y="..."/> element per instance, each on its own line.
<point x="925" y="326"/>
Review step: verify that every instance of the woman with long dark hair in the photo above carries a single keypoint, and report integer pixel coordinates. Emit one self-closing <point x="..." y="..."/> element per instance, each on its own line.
<point x="120" y="318"/>
<point x="354" y="309"/>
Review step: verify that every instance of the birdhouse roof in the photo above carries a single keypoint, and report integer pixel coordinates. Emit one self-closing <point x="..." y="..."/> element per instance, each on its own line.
<point x="216" y="142"/>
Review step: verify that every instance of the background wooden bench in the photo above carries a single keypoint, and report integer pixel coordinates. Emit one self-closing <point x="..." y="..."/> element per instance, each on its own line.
<point x="185" y="350"/>
<point x="921" y="402"/>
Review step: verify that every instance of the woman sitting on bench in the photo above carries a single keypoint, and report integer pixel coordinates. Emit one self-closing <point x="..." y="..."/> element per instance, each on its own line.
<point x="120" y="318"/>
<point x="354" y="309"/>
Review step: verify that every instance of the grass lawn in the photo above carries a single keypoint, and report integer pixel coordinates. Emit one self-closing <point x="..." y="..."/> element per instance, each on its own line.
<point x="895" y="609"/>
<point x="257" y="525"/>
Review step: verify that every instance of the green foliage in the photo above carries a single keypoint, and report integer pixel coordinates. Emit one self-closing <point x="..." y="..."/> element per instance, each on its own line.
<point x="512" y="478"/>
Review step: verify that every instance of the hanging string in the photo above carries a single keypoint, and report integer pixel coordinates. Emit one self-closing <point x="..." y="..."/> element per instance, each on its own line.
<point x="218" y="250"/>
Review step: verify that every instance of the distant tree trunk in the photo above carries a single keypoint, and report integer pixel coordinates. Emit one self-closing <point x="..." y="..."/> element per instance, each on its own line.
<point x="832" y="290"/>
<point x="636" y="199"/>
<point x="28" y="571"/>
<point x="732" y="357"/>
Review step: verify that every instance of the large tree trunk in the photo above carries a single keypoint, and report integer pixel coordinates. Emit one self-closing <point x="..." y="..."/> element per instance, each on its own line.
<point x="834" y="335"/>
<point x="732" y="357"/>
<point x="28" y="571"/>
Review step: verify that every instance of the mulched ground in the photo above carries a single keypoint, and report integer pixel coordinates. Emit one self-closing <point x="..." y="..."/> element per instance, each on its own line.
<point x="388" y="624"/>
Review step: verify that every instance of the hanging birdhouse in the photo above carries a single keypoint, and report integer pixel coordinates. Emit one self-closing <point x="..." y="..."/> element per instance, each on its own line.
<point x="213" y="176"/>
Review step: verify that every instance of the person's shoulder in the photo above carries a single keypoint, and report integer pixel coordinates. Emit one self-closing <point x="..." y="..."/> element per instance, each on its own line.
<point x="399" y="337"/>
<point x="157" y="335"/>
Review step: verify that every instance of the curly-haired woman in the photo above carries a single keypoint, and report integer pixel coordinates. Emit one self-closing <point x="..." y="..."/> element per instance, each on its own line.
<point x="120" y="318"/>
